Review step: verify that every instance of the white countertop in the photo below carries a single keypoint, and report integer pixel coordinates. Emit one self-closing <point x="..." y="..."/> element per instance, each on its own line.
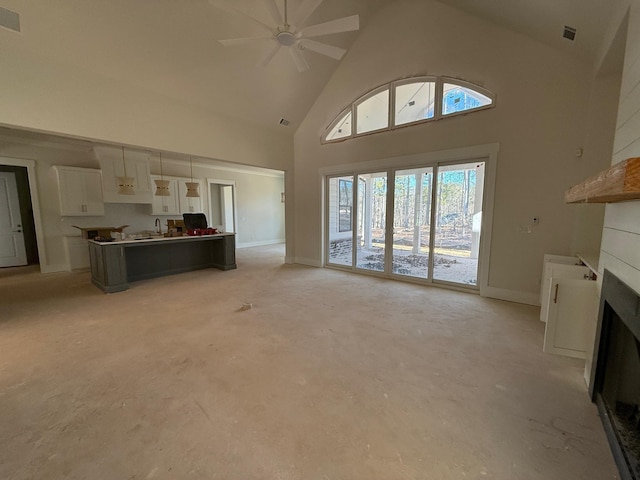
<point x="159" y="238"/>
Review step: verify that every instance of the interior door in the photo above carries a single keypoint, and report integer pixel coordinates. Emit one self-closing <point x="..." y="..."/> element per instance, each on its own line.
<point x="12" y="249"/>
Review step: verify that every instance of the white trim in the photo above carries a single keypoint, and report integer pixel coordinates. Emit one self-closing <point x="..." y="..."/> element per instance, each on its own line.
<point x="452" y="155"/>
<point x="308" y="262"/>
<point x="487" y="153"/>
<point x="516" y="296"/>
<point x="35" y="204"/>
<point x="216" y="181"/>
<point x="260" y="243"/>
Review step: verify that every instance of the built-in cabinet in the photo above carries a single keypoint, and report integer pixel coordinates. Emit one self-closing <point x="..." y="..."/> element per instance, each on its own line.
<point x="77" y="252"/>
<point x="80" y="191"/>
<point x="569" y="302"/>
<point x="178" y="202"/>
<point x="113" y="166"/>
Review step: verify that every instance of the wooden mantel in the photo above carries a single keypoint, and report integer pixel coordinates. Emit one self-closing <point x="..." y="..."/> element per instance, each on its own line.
<point x="619" y="183"/>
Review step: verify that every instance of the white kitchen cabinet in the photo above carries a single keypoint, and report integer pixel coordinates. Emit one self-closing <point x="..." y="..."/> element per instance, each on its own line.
<point x="570" y="324"/>
<point x="80" y="191"/>
<point x="189" y="204"/>
<point x="77" y="252"/>
<point x="113" y="166"/>
<point x="550" y="263"/>
<point x="166" y="205"/>
<point x="569" y="300"/>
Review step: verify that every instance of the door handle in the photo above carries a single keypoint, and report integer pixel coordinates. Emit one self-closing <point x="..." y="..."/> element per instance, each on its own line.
<point x="17" y="231"/>
<point x="555" y="297"/>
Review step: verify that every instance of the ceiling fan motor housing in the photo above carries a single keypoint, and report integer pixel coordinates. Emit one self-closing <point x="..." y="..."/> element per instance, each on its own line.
<point x="286" y="38"/>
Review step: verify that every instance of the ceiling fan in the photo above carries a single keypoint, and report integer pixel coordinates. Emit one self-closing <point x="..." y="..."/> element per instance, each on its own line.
<point x="287" y="32"/>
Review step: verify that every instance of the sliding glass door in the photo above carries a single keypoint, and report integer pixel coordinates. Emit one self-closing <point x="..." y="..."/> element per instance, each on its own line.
<point x="371" y="232"/>
<point x="458" y="223"/>
<point x="422" y="222"/>
<point x="412" y="222"/>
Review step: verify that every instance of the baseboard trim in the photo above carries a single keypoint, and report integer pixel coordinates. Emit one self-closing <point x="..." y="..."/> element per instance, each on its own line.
<point x="516" y="296"/>
<point x="308" y="261"/>
<point x="62" y="267"/>
<point x="260" y="243"/>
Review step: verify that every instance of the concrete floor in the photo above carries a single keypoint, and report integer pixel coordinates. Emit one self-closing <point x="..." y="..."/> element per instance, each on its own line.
<point x="329" y="376"/>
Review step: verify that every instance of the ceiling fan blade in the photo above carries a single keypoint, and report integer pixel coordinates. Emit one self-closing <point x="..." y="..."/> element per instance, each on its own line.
<point x="298" y="59"/>
<point x="304" y="11"/>
<point x="346" y="24"/>
<point x="323" y="48"/>
<point x="266" y="58"/>
<point x="273" y="11"/>
<point x="222" y="5"/>
<point x="231" y="42"/>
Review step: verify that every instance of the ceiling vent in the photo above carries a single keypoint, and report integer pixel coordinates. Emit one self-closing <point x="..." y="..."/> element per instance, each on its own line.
<point x="284" y="122"/>
<point x="569" y="33"/>
<point x="9" y="19"/>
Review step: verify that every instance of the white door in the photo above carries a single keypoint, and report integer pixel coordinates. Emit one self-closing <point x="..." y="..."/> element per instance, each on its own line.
<point x="226" y="199"/>
<point x="12" y="250"/>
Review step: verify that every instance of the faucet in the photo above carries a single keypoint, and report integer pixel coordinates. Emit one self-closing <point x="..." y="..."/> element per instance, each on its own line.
<point x="158" y="226"/>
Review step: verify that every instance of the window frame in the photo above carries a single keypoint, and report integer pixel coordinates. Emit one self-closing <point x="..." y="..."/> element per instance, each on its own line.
<point x="471" y="86"/>
<point x="409" y="81"/>
<point x="335" y="122"/>
<point x="360" y="101"/>
<point x="391" y="88"/>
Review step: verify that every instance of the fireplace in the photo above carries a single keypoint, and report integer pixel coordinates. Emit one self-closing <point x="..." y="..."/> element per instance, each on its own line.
<point x="615" y="380"/>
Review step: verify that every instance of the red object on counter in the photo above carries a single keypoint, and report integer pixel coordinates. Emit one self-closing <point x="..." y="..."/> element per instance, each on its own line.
<point x="196" y="232"/>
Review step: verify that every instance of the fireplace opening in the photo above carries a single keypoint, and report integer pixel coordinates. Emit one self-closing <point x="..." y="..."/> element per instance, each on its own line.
<point x="615" y="385"/>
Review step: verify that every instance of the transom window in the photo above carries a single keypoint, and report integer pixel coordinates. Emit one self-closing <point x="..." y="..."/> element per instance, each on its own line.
<point x="407" y="102"/>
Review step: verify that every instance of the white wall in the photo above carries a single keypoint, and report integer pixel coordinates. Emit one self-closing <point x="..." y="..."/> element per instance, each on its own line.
<point x="539" y="122"/>
<point x="621" y="234"/>
<point x="43" y="95"/>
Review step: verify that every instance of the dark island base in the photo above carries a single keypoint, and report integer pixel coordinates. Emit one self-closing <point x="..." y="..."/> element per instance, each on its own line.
<point x="115" y="265"/>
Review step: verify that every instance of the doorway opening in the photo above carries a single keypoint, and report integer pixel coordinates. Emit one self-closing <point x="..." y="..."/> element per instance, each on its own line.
<point x="18" y="243"/>
<point x="222" y="210"/>
<point x="424" y="223"/>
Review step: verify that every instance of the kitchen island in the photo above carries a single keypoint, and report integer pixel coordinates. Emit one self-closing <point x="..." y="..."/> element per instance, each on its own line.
<point x="116" y="264"/>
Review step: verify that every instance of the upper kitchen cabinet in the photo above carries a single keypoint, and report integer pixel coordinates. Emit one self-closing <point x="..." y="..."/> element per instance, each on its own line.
<point x="189" y="204"/>
<point x="80" y="191"/>
<point x="113" y="166"/>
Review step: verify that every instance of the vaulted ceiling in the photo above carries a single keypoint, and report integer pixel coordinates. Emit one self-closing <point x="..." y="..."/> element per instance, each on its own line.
<point x="171" y="47"/>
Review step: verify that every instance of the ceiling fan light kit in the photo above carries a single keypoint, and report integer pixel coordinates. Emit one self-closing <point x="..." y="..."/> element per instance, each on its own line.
<point x="288" y="35"/>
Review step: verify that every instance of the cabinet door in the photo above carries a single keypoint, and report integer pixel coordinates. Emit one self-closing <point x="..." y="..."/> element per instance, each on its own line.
<point x="189" y="204"/>
<point x="71" y="192"/>
<point x="558" y="270"/>
<point x="550" y="259"/>
<point x="92" y="192"/>
<point x="571" y="316"/>
<point x="166" y="205"/>
<point x="80" y="191"/>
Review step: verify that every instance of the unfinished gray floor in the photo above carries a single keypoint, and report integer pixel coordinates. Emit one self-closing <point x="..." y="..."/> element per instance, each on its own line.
<point x="329" y="376"/>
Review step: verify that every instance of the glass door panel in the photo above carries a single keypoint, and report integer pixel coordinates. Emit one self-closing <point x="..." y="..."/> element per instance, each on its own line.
<point x="457" y="223"/>
<point x="341" y="217"/>
<point x="372" y="210"/>
<point x="412" y="221"/>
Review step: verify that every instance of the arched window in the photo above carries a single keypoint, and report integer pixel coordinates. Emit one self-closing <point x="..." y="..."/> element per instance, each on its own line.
<point x="458" y="96"/>
<point x="414" y="101"/>
<point x="372" y="112"/>
<point x="340" y="128"/>
<point x="408" y="102"/>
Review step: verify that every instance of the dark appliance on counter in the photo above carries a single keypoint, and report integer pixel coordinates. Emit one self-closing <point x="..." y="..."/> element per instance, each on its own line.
<point x="196" y="224"/>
